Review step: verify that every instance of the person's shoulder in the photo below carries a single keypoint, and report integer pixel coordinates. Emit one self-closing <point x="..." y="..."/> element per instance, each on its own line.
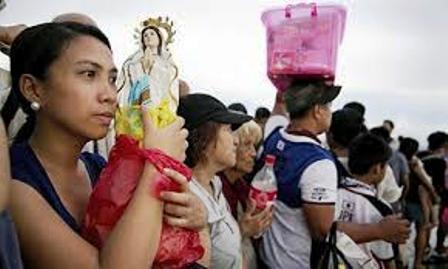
<point x="25" y="167"/>
<point x="321" y="164"/>
<point x="273" y="123"/>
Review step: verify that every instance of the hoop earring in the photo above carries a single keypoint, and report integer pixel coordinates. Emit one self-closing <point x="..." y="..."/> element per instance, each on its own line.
<point x="35" y="106"/>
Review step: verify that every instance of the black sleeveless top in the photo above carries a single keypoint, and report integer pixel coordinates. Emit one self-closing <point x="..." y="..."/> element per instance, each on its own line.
<point x="25" y="167"/>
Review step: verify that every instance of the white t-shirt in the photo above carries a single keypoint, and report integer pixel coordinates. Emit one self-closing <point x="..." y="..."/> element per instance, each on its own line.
<point x="287" y="243"/>
<point x="353" y="207"/>
<point x="226" y="252"/>
<point x="273" y="122"/>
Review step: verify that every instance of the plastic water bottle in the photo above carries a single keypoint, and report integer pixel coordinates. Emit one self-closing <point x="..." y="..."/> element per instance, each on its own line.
<point x="263" y="189"/>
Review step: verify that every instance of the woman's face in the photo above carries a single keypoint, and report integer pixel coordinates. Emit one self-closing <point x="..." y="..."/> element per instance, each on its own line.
<point x="150" y="38"/>
<point x="80" y="92"/>
<point x="246" y="153"/>
<point x="223" y="150"/>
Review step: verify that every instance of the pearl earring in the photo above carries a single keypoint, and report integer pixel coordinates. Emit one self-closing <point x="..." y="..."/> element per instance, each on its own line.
<point x="35" y="106"/>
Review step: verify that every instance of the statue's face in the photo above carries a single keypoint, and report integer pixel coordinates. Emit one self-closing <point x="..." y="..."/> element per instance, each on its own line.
<point x="150" y="38"/>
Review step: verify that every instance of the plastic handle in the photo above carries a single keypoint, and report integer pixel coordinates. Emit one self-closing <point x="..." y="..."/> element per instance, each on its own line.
<point x="288" y="11"/>
<point x="313" y="10"/>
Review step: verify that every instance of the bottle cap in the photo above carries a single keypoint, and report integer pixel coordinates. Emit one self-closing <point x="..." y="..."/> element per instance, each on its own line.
<point x="270" y="159"/>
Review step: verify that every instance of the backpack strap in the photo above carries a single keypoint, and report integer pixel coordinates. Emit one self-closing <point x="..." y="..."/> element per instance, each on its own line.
<point x="385" y="211"/>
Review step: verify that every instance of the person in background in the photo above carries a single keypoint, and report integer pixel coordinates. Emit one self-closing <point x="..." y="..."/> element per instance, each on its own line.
<point x="357" y="201"/>
<point x="390" y="126"/>
<point x="184" y="88"/>
<point x="262" y="115"/>
<point x="358" y="107"/>
<point x="436" y="167"/>
<point x="66" y="86"/>
<point x="361" y="109"/>
<point x="9" y="247"/>
<point x="236" y="191"/>
<point x="212" y="149"/>
<point x="388" y="189"/>
<point x="346" y="125"/>
<point x="238" y="107"/>
<point x="418" y="199"/>
<point x="7" y="35"/>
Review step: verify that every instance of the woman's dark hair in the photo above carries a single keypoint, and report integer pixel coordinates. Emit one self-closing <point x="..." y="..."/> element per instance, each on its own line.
<point x="159" y="35"/>
<point x="409" y="147"/>
<point x="198" y="140"/>
<point x="33" y="52"/>
<point x="365" y="151"/>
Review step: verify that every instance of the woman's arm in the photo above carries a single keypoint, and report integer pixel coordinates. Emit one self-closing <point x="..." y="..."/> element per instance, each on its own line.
<point x="47" y="242"/>
<point x="4" y="168"/>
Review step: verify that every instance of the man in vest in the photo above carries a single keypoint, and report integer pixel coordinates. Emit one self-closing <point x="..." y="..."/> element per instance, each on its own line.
<point x="306" y="174"/>
<point x="307" y="183"/>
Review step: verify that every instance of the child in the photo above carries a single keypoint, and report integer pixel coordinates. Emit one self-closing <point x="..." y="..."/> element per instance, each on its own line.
<point x="357" y="201"/>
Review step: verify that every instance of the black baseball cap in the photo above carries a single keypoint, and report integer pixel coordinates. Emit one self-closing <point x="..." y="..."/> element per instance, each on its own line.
<point x="199" y="108"/>
<point x="304" y="94"/>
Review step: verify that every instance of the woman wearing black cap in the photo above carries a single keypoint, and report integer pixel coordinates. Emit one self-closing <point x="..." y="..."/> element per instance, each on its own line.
<point x="212" y="148"/>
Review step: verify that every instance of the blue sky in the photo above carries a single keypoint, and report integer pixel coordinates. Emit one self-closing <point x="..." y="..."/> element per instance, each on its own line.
<point x="394" y="57"/>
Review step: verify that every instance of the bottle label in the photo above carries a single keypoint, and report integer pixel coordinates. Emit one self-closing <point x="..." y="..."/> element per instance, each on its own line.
<point x="262" y="198"/>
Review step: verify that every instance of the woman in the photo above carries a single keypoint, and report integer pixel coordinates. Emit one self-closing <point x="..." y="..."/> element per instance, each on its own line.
<point x="212" y="148"/>
<point x="66" y="85"/>
<point x="236" y="190"/>
<point x="418" y="198"/>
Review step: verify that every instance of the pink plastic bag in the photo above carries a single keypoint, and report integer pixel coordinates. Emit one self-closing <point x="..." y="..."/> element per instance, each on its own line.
<point x="303" y="41"/>
<point x="178" y="248"/>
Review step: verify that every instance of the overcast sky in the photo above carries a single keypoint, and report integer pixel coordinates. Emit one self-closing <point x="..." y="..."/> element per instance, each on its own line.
<point x="394" y="57"/>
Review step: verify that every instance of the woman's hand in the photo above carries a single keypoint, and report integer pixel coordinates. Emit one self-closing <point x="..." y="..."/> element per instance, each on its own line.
<point x="183" y="209"/>
<point x="253" y="223"/>
<point x="170" y="139"/>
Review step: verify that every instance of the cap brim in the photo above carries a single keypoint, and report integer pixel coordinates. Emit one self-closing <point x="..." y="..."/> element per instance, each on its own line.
<point x="233" y="118"/>
<point x="330" y="94"/>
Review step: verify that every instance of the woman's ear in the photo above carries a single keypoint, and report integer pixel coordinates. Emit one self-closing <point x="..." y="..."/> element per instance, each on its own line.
<point x="31" y="88"/>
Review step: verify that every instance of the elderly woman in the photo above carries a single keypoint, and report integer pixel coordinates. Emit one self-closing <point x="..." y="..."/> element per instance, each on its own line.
<point x="236" y="190"/>
<point x="212" y="149"/>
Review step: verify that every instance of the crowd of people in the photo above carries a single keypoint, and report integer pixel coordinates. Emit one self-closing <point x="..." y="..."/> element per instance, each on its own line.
<point x="333" y="172"/>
